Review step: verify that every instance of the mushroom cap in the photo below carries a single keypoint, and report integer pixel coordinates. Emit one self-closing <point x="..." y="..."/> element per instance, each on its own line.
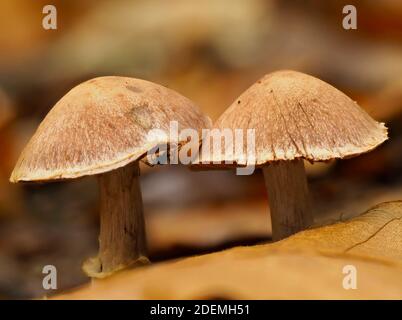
<point x="295" y="115"/>
<point x="101" y="125"/>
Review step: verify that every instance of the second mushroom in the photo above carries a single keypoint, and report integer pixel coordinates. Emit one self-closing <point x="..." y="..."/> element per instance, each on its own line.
<point x="295" y="117"/>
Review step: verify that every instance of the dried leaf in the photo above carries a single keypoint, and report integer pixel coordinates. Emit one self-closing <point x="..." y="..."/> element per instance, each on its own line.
<point x="375" y="234"/>
<point x="307" y="265"/>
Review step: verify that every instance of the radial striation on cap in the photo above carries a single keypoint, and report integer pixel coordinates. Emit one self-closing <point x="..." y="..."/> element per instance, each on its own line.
<point x="297" y="116"/>
<point x="102" y="124"/>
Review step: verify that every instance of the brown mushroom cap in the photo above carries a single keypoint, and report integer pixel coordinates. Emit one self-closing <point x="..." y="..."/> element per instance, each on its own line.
<point x="298" y="116"/>
<point x="102" y="124"/>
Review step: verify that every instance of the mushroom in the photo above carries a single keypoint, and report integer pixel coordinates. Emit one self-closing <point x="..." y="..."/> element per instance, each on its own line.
<point x="295" y="117"/>
<point x="101" y="128"/>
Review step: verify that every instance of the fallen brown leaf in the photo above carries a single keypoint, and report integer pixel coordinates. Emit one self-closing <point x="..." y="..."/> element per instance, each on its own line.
<point x="373" y="235"/>
<point x="307" y="265"/>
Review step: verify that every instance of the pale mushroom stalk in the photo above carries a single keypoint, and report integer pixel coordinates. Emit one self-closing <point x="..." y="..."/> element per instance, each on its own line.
<point x="289" y="200"/>
<point x="122" y="228"/>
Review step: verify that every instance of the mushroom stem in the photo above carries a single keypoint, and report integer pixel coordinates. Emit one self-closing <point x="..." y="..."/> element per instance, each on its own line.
<point x="289" y="201"/>
<point x="122" y="239"/>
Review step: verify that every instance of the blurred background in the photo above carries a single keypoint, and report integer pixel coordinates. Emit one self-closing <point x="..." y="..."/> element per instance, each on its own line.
<point x="210" y="51"/>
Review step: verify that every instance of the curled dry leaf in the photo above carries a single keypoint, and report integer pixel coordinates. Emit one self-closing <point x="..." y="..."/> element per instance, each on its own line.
<point x="307" y="265"/>
<point x="373" y="235"/>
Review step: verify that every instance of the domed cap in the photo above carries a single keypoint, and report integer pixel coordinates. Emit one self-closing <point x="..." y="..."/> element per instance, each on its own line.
<point x="298" y="116"/>
<point x="101" y="125"/>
